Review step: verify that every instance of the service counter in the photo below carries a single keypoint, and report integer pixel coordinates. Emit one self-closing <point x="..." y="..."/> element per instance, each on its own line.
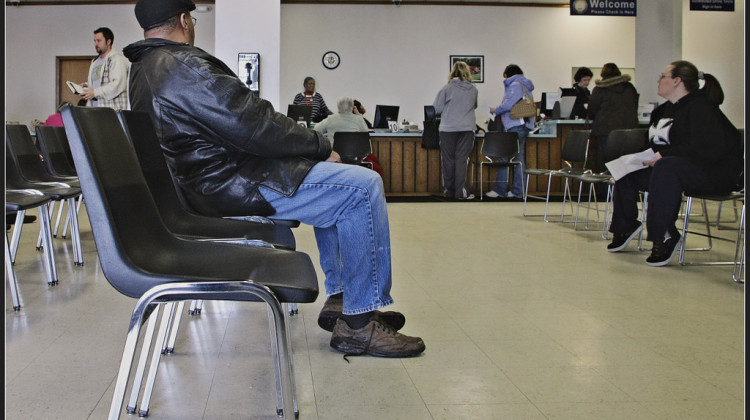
<point x="408" y="169"/>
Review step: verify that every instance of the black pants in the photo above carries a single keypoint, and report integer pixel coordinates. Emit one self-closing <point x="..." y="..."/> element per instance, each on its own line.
<point x="665" y="183"/>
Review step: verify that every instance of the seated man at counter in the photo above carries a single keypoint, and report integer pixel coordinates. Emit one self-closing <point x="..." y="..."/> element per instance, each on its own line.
<point x="345" y="120"/>
<point x="233" y="155"/>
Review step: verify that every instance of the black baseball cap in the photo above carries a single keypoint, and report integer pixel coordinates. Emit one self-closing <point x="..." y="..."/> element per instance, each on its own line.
<point x="151" y="12"/>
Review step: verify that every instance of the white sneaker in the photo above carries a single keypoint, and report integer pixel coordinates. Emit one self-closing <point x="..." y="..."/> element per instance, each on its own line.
<point x="492" y="194"/>
<point x="469" y="197"/>
<point x="511" y="195"/>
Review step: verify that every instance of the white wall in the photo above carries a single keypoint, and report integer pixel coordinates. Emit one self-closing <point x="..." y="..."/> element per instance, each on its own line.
<point x="35" y="35"/>
<point x="718" y="48"/>
<point x="252" y="26"/>
<point x="389" y="54"/>
<point x="400" y="55"/>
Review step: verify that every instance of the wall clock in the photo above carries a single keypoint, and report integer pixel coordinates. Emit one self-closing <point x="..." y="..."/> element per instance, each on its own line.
<point x="331" y="60"/>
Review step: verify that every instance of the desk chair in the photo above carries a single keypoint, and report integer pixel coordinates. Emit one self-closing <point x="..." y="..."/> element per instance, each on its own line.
<point x="499" y="145"/>
<point x="353" y="147"/>
<point x="129" y="232"/>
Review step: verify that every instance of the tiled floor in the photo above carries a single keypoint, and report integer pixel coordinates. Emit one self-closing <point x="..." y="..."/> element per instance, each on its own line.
<point x="522" y="319"/>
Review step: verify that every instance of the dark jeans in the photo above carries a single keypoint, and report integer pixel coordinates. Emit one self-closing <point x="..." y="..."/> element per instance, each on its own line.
<point x="665" y="183"/>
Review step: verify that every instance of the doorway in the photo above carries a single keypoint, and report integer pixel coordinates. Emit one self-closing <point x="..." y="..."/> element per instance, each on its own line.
<point x="73" y="68"/>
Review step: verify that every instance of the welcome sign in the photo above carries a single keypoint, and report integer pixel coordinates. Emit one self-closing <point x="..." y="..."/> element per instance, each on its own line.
<point x="603" y="7"/>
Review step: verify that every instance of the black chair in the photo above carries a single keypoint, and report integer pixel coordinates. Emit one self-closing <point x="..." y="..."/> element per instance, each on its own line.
<point x="620" y="142"/>
<point x="499" y="145"/>
<point x="574" y="152"/>
<point x="142" y="259"/>
<point x="32" y="168"/>
<point x="180" y="221"/>
<point x="19" y="202"/>
<point x="15" y="181"/>
<point x="353" y="147"/>
<point x="52" y="143"/>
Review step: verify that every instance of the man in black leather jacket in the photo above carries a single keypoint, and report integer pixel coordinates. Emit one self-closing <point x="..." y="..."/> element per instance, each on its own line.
<point x="232" y="154"/>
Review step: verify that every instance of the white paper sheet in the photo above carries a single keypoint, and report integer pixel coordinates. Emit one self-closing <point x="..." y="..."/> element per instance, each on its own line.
<point x="629" y="163"/>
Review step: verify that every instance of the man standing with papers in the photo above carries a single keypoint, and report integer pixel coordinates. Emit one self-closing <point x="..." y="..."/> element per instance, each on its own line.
<point x="108" y="75"/>
<point x="696" y="148"/>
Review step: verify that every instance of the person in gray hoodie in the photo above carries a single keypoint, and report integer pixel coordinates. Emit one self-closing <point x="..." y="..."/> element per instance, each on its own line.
<point x="455" y="103"/>
<point x="517" y="86"/>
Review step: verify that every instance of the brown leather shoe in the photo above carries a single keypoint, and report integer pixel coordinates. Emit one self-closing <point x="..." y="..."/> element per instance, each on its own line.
<point x="376" y="339"/>
<point x="332" y="310"/>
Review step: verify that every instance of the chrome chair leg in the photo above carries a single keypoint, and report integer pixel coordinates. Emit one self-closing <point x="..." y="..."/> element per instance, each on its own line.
<point x="164" y="291"/>
<point x="11" y="276"/>
<point x="153" y="369"/>
<point x="739" y="253"/>
<point x="141" y="367"/>
<point x="175" y="325"/>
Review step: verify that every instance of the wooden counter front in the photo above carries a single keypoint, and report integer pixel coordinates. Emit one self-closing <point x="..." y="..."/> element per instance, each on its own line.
<point x="408" y="169"/>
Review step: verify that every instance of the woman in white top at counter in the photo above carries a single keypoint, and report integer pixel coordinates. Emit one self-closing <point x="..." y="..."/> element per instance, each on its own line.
<point x="456" y="103"/>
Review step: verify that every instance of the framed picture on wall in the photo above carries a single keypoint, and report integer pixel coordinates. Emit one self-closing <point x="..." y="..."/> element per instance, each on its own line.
<point x="248" y="70"/>
<point x="475" y="63"/>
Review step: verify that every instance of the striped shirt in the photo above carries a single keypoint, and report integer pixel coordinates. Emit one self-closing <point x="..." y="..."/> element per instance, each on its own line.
<point x="319" y="108"/>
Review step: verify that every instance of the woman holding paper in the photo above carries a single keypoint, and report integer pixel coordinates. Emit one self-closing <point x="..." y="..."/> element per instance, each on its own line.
<point x="696" y="149"/>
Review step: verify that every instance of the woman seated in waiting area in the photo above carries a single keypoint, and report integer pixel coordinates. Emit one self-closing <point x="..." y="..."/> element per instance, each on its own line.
<point x="697" y="150"/>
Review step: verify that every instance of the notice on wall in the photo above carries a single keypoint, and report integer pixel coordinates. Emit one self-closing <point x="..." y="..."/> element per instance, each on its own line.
<point x="603" y="7"/>
<point x="712" y="5"/>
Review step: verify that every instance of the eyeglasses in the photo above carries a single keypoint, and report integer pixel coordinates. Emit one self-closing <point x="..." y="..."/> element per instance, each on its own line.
<point x="661" y="76"/>
<point x="194" y="20"/>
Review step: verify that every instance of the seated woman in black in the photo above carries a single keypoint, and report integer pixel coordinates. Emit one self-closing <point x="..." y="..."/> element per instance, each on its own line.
<point x="697" y="149"/>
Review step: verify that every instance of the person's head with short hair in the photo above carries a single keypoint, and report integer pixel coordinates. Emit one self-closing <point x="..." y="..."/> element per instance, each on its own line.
<point x="610" y="70"/>
<point x="168" y="19"/>
<point x="360" y="108"/>
<point x="103" y="40"/>
<point x="512" y="70"/>
<point x="581" y="73"/>
<point x="346" y="105"/>
<point x="309" y="85"/>
<point x="462" y="71"/>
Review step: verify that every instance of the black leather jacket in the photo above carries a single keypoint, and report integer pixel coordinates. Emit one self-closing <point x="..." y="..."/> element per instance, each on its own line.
<point x="221" y="141"/>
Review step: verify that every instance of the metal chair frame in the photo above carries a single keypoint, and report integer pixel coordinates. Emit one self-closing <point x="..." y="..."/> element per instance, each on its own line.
<point x="500" y="145"/>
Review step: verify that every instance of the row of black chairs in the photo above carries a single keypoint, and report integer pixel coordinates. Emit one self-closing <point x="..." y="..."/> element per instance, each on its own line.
<point x="136" y="217"/>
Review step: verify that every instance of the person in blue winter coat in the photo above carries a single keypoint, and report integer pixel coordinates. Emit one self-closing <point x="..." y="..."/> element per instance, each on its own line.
<point x="456" y="103"/>
<point x="517" y="86"/>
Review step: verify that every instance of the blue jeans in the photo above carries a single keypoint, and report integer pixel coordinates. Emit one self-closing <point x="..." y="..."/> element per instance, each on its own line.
<point x="346" y="206"/>
<point x="501" y="182"/>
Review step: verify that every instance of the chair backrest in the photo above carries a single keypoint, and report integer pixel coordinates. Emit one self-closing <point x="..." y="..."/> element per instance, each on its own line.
<point x="50" y="141"/>
<point x="352" y="145"/>
<point x="139" y="130"/>
<point x="178" y="218"/>
<point x="500" y="144"/>
<point x="136" y="250"/>
<point x="576" y="147"/>
<point x="21" y="146"/>
<point x="624" y="142"/>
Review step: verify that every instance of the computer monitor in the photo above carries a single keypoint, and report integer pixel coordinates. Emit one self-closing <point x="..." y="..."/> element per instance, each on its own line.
<point x="300" y="113"/>
<point x="548" y="102"/>
<point x="430" y="114"/>
<point x="383" y="114"/>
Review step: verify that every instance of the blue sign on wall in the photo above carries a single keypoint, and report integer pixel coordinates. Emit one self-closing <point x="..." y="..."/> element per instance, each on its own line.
<point x="712" y="5"/>
<point x="603" y="7"/>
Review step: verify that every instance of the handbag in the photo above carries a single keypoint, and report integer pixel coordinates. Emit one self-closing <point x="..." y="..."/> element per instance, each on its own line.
<point x="525" y="107"/>
<point x="431" y="135"/>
